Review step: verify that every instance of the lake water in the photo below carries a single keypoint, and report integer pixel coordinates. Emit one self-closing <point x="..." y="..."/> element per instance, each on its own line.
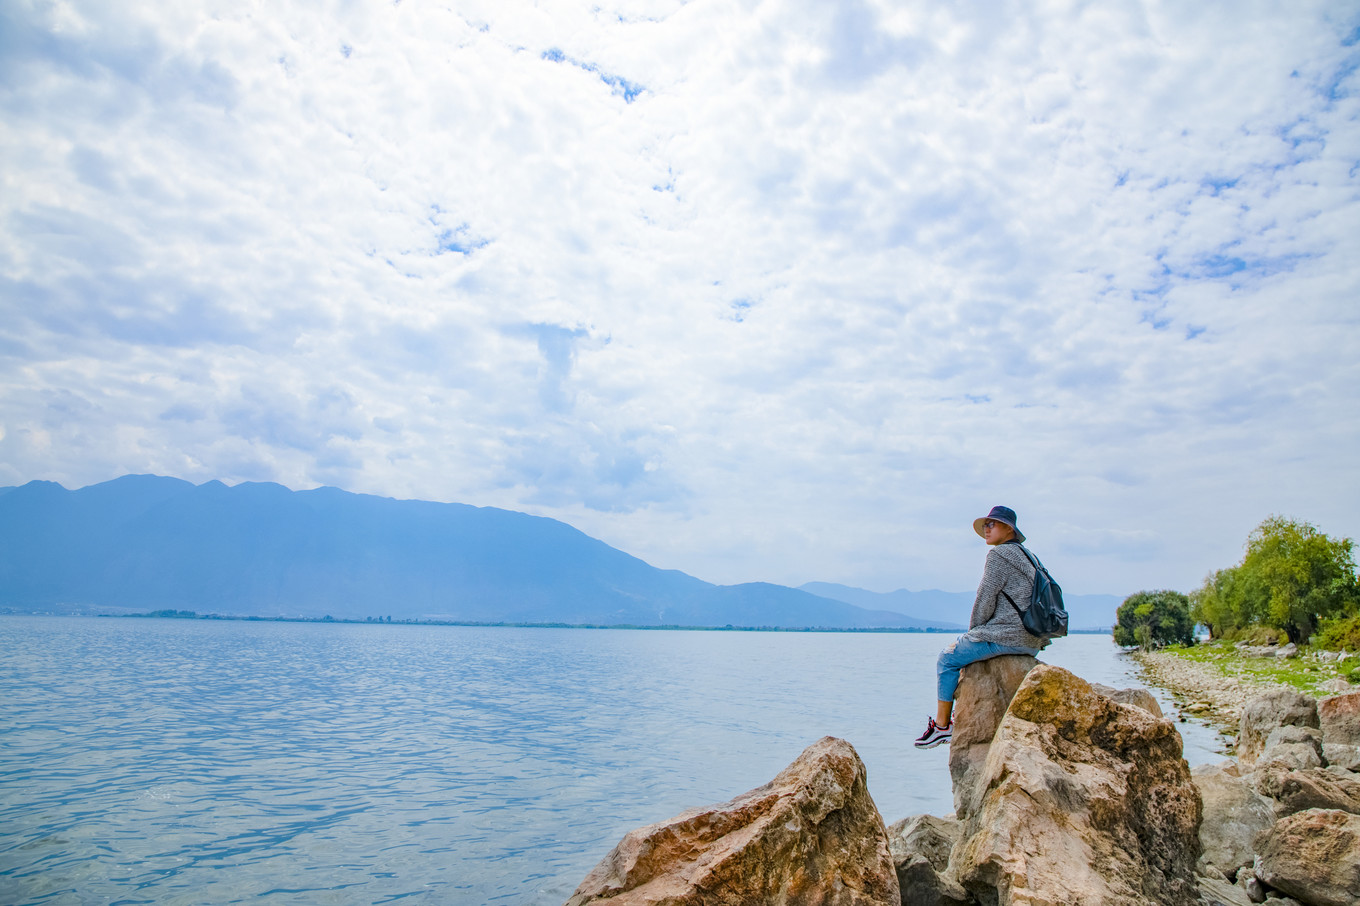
<point x="190" y="762"/>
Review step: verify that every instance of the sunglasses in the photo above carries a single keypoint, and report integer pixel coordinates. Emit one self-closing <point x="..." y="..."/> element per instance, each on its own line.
<point x="990" y="524"/>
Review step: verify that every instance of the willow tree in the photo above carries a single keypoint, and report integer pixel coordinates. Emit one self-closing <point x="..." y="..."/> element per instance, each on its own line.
<point x="1218" y="603"/>
<point x="1298" y="576"/>
<point x="1291" y="578"/>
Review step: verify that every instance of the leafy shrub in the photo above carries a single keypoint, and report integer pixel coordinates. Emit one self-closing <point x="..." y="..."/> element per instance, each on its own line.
<point x="1342" y="634"/>
<point x="1259" y="635"/>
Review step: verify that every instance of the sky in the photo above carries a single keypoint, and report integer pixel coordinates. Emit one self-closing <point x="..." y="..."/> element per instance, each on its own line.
<point x="779" y="291"/>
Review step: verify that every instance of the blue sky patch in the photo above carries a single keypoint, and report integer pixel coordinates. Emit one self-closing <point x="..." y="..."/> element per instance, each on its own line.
<point x="618" y="85"/>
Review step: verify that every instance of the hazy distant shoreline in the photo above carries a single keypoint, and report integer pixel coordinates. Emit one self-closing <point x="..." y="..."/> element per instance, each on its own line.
<point x="191" y="615"/>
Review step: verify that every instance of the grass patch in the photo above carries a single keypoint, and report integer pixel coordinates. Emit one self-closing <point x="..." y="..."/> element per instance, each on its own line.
<point x="1307" y="672"/>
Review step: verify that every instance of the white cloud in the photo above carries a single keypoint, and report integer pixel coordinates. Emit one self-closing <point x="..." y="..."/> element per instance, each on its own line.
<point x="780" y="290"/>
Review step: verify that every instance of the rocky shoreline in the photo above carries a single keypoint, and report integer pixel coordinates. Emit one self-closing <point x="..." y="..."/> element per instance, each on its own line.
<point x="1065" y="792"/>
<point x="1205" y="692"/>
<point x="1202" y="691"/>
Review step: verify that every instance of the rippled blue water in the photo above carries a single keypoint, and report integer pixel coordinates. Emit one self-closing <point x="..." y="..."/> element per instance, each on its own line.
<point x="190" y="762"/>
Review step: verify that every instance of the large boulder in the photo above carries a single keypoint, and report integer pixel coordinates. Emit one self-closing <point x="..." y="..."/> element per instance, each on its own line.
<point x="1082" y="801"/>
<point x="1265" y="713"/>
<point x="1339" y="719"/>
<point x="1298" y="748"/>
<point x="1340" y="755"/>
<point x="810" y="837"/>
<point x="1236" y="816"/>
<point x="920" y="848"/>
<point x="1314" y="856"/>
<point x="985" y="690"/>
<point x="1297" y="791"/>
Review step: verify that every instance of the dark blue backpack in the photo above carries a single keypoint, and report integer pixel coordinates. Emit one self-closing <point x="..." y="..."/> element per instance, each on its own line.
<point x="1045" y="617"/>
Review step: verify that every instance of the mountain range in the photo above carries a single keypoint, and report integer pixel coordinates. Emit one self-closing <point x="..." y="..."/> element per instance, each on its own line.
<point x="143" y="542"/>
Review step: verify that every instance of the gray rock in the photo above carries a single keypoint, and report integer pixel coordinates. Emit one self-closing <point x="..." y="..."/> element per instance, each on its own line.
<point x="1341" y="757"/>
<point x="1252" y="887"/>
<point x="920" y="848"/>
<point x="1293" y="756"/>
<point x="1236" y="816"/>
<point x="1299" y="748"/>
<point x="922" y="885"/>
<point x="1314" y="856"/>
<point x="1265" y="713"/>
<point x="1290" y="650"/>
<point x="1214" y="892"/>
<point x="1291" y="734"/>
<point x="924" y="835"/>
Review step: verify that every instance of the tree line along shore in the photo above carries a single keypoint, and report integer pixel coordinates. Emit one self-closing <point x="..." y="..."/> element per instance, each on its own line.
<point x="1286" y="615"/>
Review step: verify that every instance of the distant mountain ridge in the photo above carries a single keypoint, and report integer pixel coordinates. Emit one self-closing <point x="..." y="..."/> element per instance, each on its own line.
<point x="1087" y="612"/>
<point x="143" y="542"/>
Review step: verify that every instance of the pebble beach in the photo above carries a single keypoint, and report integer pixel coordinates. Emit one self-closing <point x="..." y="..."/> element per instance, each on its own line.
<point x="1206" y="692"/>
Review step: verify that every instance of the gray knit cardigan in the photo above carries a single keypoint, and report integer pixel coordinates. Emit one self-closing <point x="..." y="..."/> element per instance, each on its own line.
<point x="994" y="619"/>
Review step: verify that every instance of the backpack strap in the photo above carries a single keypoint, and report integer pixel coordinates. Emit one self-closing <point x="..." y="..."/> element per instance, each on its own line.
<point x="1034" y="561"/>
<point x="1018" y="611"/>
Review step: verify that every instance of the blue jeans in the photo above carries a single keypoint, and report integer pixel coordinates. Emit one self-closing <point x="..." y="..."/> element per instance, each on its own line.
<point x="962" y="653"/>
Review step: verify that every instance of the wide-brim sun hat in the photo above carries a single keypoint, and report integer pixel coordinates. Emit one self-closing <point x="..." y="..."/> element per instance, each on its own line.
<point x="1002" y="514"/>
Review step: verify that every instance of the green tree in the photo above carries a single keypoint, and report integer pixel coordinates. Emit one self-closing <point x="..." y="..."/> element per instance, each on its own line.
<point x="1152" y="618"/>
<point x="1293" y="576"/>
<point x="1221" y="605"/>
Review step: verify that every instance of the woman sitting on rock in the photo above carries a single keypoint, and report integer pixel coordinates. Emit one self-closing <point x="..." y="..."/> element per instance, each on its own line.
<point x="994" y="628"/>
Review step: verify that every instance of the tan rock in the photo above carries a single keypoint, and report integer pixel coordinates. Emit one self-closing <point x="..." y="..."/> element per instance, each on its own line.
<point x="1140" y="698"/>
<point x="1339" y="718"/>
<point x="1083" y="801"/>
<point x="1236" y="816"/>
<point x="1314" y="856"/>
<point x="1280" y="707"/>
<point x="810" y="837"/>
<point x="985" y="689"/>
<point x="1297" y="791"/>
